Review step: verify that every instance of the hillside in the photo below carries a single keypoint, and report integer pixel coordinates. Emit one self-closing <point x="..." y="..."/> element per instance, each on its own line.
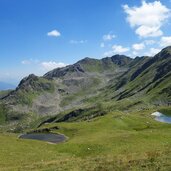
<point x="151" y="78"/>
<point x="92" y="85"/>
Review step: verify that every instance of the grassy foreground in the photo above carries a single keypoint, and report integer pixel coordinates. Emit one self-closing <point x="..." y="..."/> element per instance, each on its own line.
<point x="117" y="141"/>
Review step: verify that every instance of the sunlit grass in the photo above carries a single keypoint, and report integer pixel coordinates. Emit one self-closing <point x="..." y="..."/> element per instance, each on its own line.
<point x="117" y="141"/>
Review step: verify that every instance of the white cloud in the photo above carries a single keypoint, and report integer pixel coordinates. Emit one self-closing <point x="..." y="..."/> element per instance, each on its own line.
<point x="153" y="51"/>
<point x="45" y="65"/>
<point x="135" y="53"/>
<point x="102" y="45"/>
<point x="149" y="42"/>
<point x="52" y="65"/>
<point x="116" y="49"/>
<point x="26" y="62"/>
<point x="165" y="41"/>
<point x="109" y="53"/>
<point x="146" y="31"/>
<point x="108" y="37"/>
<point x="54" y="33"/>
<point x="138" y="46"/>
<point x="148" y="18"/>
<point x="119" y="49"/>
<point x="30" y="61"/>
<point x="78" y="41"/>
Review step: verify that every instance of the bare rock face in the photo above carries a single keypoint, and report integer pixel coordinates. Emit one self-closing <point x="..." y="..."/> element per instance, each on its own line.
<point x="62" y="72"/>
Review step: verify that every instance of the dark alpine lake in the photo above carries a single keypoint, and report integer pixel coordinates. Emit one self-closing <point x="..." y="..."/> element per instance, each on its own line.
<point x="49" y="137"/>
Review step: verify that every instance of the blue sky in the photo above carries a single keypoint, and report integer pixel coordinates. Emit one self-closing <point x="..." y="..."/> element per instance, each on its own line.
<point x="39" y="35"/>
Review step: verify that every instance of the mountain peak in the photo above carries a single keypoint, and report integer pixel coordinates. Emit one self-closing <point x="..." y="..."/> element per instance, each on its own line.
<point x="164" y="53"/>
<point x="87" y="60"/>
<point x="167" y="50"/>
<point x="26" y="81"/>
<point x="121" y="60"/>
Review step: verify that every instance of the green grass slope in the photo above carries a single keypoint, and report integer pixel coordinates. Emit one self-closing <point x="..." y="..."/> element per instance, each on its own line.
<point x="148" y="79"/>
<point x="116" y="141"/>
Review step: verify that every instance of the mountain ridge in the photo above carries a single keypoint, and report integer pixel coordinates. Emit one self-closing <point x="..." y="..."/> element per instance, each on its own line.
<point x="92" y="81"/>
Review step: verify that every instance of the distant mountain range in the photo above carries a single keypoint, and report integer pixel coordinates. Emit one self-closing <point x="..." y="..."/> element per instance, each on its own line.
<point x="119" y="81"/>
<point x="6" y="86"/>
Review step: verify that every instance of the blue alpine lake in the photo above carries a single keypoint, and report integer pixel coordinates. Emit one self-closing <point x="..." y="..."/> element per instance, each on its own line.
<point x="161" y="117"/>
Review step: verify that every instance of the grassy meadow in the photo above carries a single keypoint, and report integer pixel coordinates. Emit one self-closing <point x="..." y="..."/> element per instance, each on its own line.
<point x="116" y="141"/>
